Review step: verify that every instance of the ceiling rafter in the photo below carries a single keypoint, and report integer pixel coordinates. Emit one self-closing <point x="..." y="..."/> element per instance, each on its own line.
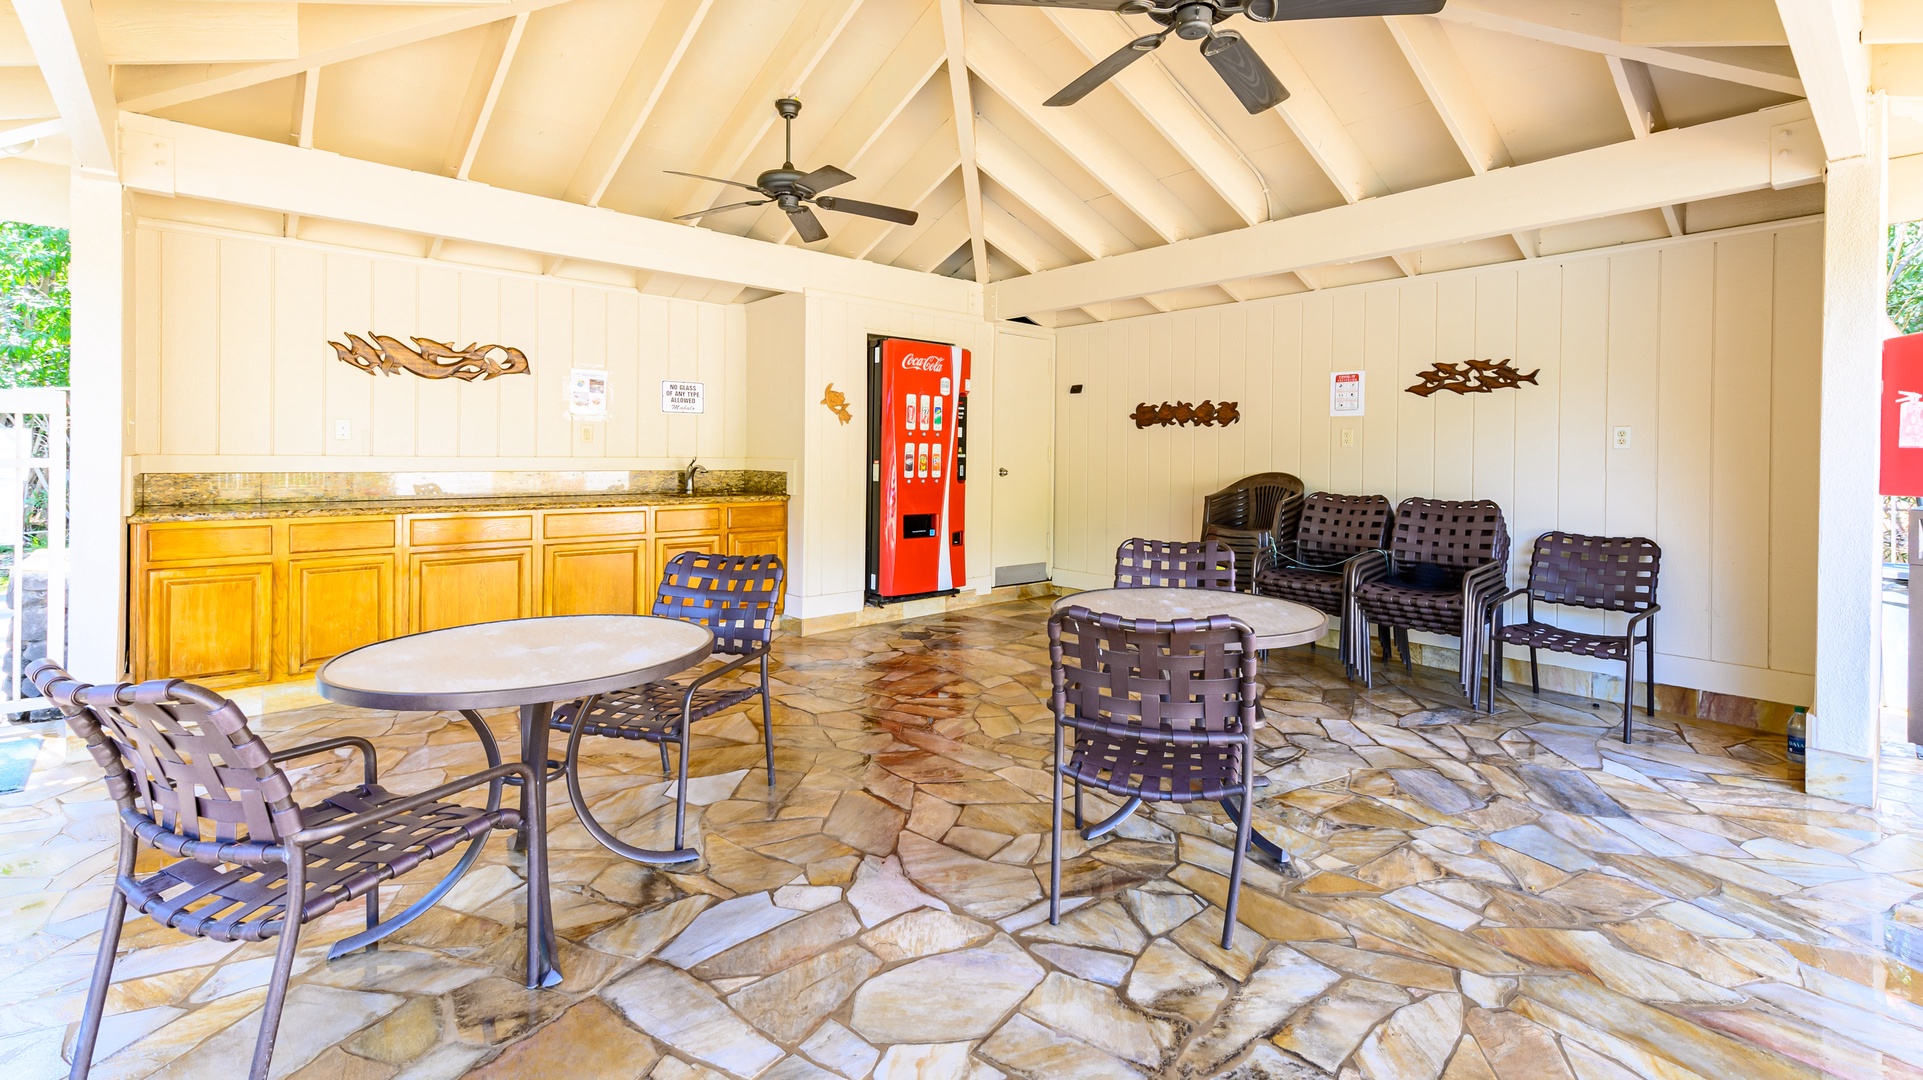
<point x="1644" y="111"/>
<point x="1016" y="240"/>
<point x="654" y="64"/>
<point x="484" y="90"/>
<point x="408" y="34"/>
<point x="1825" y="36"/>
<point x="307" y="104"/>
<point x="1308" y="114"/>
<point x="1005" y="69"/>
<point x="938" y="240"/>
<point x="816" y="25"/>
<point x="66" y="43"/>
<point x="1163" y="102"/>
<point x="1597" y="29"/>
<point x="1048" y="197"/>
<point x="963" y="101"/>
<point x="918" y="178"/>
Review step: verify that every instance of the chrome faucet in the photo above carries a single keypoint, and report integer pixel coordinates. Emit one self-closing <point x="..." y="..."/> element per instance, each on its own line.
<point x="687" y="476"/>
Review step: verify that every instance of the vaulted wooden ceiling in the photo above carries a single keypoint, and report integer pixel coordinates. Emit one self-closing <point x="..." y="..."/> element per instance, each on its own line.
<point x="589" y="100"/>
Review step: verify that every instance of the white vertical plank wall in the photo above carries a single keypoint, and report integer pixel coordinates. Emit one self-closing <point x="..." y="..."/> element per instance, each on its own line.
<point x="234" y="373"/>
<point x="1707" y="349"/>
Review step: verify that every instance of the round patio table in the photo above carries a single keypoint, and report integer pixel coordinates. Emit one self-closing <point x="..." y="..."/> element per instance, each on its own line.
<point x="528" y="664"/>
<point x="1277" y="623"/>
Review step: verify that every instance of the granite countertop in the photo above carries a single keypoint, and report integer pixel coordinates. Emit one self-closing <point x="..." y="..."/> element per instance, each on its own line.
<point x="429" y="504"/>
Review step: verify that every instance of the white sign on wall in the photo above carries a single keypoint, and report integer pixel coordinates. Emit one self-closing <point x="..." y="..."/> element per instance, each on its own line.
<point x="587" y="394"/>
<point x="1345" y="393"/>
<point x="681" y="397"/>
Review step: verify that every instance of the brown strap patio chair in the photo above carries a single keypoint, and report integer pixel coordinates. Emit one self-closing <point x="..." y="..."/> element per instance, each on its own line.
<point x="734" y="596"/>
<point x="1310" y="568"/>
<point x="194" y="783"/>
<point x="1603" y="573"/>
<point x="1251" y="513"/>
<point x="1174" y="564"/>
<point x="1447" y="561"/>
<point x="1156" y="711"/>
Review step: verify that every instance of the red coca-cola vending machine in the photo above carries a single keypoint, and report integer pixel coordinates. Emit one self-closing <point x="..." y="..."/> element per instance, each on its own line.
<point x="918" y="468"/>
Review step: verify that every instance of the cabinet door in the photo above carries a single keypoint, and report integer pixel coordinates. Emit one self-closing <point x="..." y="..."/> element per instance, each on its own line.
<point x="335" y="604"/>
<point x="667" y="547"/>
<point x="759" y="543"/>
<point x="596" y="579"/>
<point x="210" y="624"/>
<point x="455" y="588"/>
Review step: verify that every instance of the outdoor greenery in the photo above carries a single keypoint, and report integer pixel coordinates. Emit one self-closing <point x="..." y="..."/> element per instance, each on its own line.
<point x="1905" y="282"/>
<point x="35" y="323"/>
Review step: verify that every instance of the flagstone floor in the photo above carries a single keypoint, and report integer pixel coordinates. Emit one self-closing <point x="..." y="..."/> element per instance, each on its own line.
<point x="1508" y="898"/>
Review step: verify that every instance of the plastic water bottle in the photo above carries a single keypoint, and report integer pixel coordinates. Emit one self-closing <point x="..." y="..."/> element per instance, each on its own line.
<point x="1798" y="735"/>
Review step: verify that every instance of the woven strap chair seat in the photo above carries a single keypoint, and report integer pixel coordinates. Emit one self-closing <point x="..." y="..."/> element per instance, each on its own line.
<point x="1437" y="610"/>
<point x="1157" y="771"/>
<point x="652" y="711"/>
<point x="1321" y="591"/>
<point x="1536" y="635"/>
<point x="249" y="903"/>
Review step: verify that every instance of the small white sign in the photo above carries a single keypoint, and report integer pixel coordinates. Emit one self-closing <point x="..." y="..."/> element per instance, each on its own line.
<point x="681" y="397"/>
<point x="587" y="394"/>
<point x="1345" y="393"/>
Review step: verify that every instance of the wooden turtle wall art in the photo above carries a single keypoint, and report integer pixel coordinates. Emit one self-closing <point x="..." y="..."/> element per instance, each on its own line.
<point x="1473" y="377"/>
<point x="1183" y="414"/>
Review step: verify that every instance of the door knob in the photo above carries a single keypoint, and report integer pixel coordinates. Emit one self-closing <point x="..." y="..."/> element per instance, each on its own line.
<point x="1001" y="472"/>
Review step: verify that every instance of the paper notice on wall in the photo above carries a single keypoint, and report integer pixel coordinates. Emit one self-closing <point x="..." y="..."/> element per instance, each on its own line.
<point x="681" y="397"/>
<point x="1909" y="420"/>
<point x="587" y="394"/>
<point x="1345" y="393"/>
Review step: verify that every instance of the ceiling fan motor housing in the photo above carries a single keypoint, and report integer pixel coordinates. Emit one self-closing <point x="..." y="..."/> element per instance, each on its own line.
<point x="1193" y="22"/>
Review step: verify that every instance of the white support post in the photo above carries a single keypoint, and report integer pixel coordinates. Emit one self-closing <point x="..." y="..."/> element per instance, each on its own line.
<point x="1844" y="724"/>
<point x="101" y="279"/>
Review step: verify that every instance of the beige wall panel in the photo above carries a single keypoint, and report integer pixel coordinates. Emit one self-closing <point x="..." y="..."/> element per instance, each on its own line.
<point x="349" y="394"/>
<point x="1634" y="307"/>
<point x="1584" y="401"/>
<point x="146" y="434"/>
<point x="1381" y="360"/>
<point x="246" y="357"/>
<point x="1415" y="429"/>
<point x="1795" y="390"/>
<point x="189" y="344"/>
<point x="588" y="438"/>
<point x="1231" y="384"/>
<point x="481" y="407"/>
<point x="1455" y="430"/>
<point x="1351" y="343"/>
<point x="301" y="355"/>
<point x="1538" y="430"/>
<point x="1495" y="414"/>
<point x="1741" y="430"/>
<point x="554" y="337"/>
<point x="1684" y="492"/>
<point x="395" y="303"/>
<point x="437" y="411"/>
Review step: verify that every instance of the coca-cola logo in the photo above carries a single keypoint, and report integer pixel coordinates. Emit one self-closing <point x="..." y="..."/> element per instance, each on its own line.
<point x="911" y="362"/>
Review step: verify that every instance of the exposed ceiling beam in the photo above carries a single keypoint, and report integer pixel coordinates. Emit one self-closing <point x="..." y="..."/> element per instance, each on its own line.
<point x="483" y="91"/>
<point x="1048" y="197"/>
<point x="1892" y="22"/>
<point x="1001" y="65"/>
<point x="938" y="241"/>
<point x="963" y="101"/>
<point x="308" y="103"/>
<point x="1019" y="242"/>
<point x="1704" y="161"/>
<point x="1308" y="114"/>
<point x="913" y="183"/>
<point x="168" y="158"/>
<point x="1826" y="38"/>
<point x="407" y="33"/>
<point x="175" y="32"/>
<point x="813" y="30"/>
<point x="1644" y="111"/>
<point x="667" y="42"/>
<point x="1596" y="27"/>
<point x="67" y="46"/>
<point x="1167" y="106"/>
<point x="1701" y="23"/>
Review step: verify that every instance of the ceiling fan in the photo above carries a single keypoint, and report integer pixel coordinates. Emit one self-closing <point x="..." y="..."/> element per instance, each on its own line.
<point x="1227" y="52"/>
<point x="792" y="190"/>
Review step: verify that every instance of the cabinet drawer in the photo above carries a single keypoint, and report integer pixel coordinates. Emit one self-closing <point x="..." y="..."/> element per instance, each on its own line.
<point x="690" y="519"/>
<point x="305" y="536"/>
<point x="209" y="542"/>
<point x="434" y="531"/>
<point x="758" y="516"/>
<point x="567" y="525"/>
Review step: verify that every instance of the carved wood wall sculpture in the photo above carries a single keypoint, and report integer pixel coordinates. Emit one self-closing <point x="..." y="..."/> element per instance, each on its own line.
<point x="837" y="403"/>
<point x="430" y="359"/>
<point x="1473" y="377"/>
<point x="1182" y="414"/>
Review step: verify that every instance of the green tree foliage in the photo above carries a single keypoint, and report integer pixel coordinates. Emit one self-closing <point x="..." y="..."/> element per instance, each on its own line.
<point x="1905" y="281"/>
<point x="35" y="319"/>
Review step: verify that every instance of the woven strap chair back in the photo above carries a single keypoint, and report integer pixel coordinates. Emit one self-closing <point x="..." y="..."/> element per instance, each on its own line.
<point x="1614" y="573"/>
<point x="1251" y="502"/>
<point x="1335" y="527"/>
<point x="1186" y="681"/>
<point x="180" y="756"/>
<point x="1181" y="564"/>
<point x="1457" y="536"/>
<point x="732" y="595"/>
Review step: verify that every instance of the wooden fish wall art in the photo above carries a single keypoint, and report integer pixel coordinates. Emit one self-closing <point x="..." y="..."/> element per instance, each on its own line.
<point x="430" y="359"/>
<point x="837" y="403"/>
<point x="1473" y="377"/>
<point x="1182" y="414"/>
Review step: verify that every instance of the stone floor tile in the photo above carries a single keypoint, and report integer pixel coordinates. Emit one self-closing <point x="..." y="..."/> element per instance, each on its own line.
<point x="791" y="1002"/>
<point x="315" y="1018"/>
<point x="675" y="1008"/>
<point x="723" y="926"/>
<point x="845" y="1052"/>
<point x="1329" y="1029"/>
<point x="1092" y="1013"/>
<point x="1095" y="965"/>
<point x="922" y="932"/>
<point x="882" y="891"/>
<point x="1415" y="1042"/>
<point x="1030" y="1049"/>
<point x="945" y="997"/>
<point x="1285" y="981"/>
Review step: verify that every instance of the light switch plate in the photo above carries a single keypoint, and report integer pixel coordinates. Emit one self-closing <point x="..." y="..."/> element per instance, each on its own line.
<point x="343" y="430"/>
<point x="1619" y="438"/>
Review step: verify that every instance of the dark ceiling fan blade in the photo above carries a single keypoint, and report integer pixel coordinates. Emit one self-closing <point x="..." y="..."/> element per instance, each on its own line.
<point x="1109" y="67"/>
<point x="718" y="209"/>
<point x="1291" y="10"/>
<point x="716" y="179"/>
<point x="808" y="225"/>
<point x="867" y="209"/>
<point x="1236" y="61"/>
<point x="824" y="178"/>
<point x="1086" y="5"/>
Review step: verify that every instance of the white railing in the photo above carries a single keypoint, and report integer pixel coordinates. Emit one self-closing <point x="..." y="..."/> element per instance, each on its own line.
<point x="33" y="538"/>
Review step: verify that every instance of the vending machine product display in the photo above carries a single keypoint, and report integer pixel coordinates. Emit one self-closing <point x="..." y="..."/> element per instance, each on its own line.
<point x="918" y="466"/>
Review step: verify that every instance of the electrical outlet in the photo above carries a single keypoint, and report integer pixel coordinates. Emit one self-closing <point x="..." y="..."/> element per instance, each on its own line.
<point x="1348" y="436"/>
<point x="1619" y="438"/>
<point x="587" y="434"/>
<point x="343" y="430"/>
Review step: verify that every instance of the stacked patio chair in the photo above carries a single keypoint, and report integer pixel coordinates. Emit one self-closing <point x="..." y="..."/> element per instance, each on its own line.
<point x="1446" y="563"/>
<point x="735" y="596"/>
<point x="196" y="785"/>
<point x="1602" y="573"/>
<point x="1155" y="711"/>
<point x="1248" y="514"/>
<point x="1174" y="564"/>
<point x="1311" y="567"/>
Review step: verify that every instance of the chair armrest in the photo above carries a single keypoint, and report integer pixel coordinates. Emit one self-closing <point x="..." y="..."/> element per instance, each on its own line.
<point x="368" y="772"/>
<point x="1371" y="565"/>
<point x="733" y="665"/>
<point x="413" y="802"/>
<point x="1640" y="616"/>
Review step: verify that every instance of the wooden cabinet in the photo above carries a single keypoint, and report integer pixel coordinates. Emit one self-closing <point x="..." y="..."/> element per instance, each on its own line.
<point x="236" y="603"/>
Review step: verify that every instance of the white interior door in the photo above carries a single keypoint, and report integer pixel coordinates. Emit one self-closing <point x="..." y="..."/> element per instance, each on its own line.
<point x="1024" y="402"/>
